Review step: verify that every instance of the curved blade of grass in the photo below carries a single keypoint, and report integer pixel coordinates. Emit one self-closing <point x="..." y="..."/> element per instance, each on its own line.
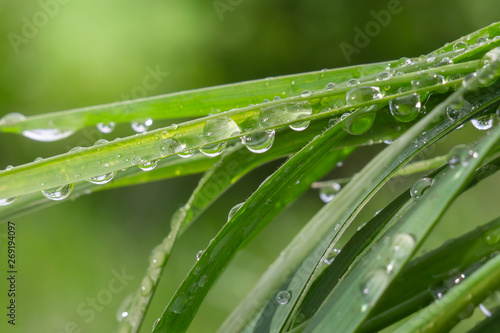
<point x="412" y="290"/>
<point x="383" y="129"/>
<point x="282" y="187"/>
<point x="356" y="295"/>
<point x="347" y="204"/>
<point x="442" y="315"/>
<point x="325" y="283"/>
<point x="202" y="102"/>
<point x="123" y="153"/>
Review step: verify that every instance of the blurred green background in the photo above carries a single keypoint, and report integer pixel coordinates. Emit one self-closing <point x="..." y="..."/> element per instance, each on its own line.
<point x="93" y="52"/>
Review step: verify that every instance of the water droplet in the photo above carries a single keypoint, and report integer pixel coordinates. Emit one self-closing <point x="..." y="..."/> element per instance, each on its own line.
<point x="352" y="82"/>
<point x="146" y="286"/>
<point x="106" y="178"/>
<point x="327" y="193"/>
<point x="7" y="201"/>
<point x="259" y="142"/>
<point x="171" y="146"/>
<point x="361" y="121"/>
<point x="213" y="150"/>
<point x="403" y="245"/>
<point x="186" y="153"/>
<point x="221" y="128"/>
<point x="331" y="86"/>
<point x="362" y="95"/>
<point x="123" y="309"/>
<point x="47" y="134"/>
<point x="445" y="61"/>
<point x="425" y="80"/>
<point x="106" y="127"/>
<point x="179" y="304"/>
<point x="383" y="76"/>
<point x="375" y="284"/>
<point x="460" y="46"/>
<point x="148" y="166"/>
<point x="276" y="115"/>
<point x="485" y="122"/>
<point x="484" y="310"/>
<point x="420" y="186"/>
<point x="404" y="62"/>
<point x="199" y="254"/>
<point x="141" y="126"/>
<point x="157" y="257"/>
<point x="283" y="297"/>
<point x="492" y="237"/>
<point x="405" y="108"/>
<point x="460" y="154"/>
<point x="58" y="193"/>
<point x="331" y="256"/>
<point x="156" y="323"/>
<point x="488" y="70"/>
<point x="12" y="118"/>
<point x="306" y="94"/>
<point x="234" y="210"/>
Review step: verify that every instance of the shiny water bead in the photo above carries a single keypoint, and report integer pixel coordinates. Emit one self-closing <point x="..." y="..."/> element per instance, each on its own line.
<point x="103" y="179"/>
<point x="141" y="126"/>
<point x="360" y="121"/>
<point x="425" y="80"/>
<point x="146" y="286"/>
<point x="186" y="153"/>
<point x="420" y="186"/>
<point x="148" y="166"/>
<point x="492" y="236"/>
<point x="331" y="86"/>
<point x="123" y="309"/>
<point x="443" y="62"/>
<point x="259" y="142"/>
<point x="199" y="254"/>
<point x="283" y="297"/>
<point x="179" y="304"/>
<point x="488" y="70"/>
<point x="277" y="115"/>
<point x="12" y="118"/>
<point x="331" y="256"/>
<point x="404" y="62"/>
<point x="405" y="108"/>
<point x="352" y="82"/>
<point x="7" y="201"/>
<point x="234" y="210"/>
<point x="47" y="134"/>
<point x="383" y="76"/>
<point x="363" y="95"/>
<point x="306" y="94"/>
<point x="220" y="128"/>
<point x="58" y="193"/>
<point x="171" y="146"/>
<point x="460" y="46"/>
<point x="403" y="245"/>
<point x="461" y="155"/>
<point x="327" y="193"/>
<point x="214" y="149"/>
<point x="106" y="127"/>
<point x="375" y="283"/>
<point x="485" y="122"/>
<point x="157" y="257"/>
<point x="481" y="40"/>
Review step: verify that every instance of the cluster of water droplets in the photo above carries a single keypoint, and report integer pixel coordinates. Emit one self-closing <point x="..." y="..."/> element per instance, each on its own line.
<point x="461" y="155"/>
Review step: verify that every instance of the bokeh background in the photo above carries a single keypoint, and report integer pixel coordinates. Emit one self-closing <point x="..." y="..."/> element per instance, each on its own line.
<point x="93" y="52"/>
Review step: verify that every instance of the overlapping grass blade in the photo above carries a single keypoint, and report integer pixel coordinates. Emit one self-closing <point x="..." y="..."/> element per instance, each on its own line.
<point x="282" y="187"/>
<point x="356" y="295"/>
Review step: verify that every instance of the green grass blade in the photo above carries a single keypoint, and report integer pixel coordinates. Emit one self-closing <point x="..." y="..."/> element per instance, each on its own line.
<point x="282" y="187"/>
<point x="94" y="161"/>
<point x="362" y="288"/>
<point x="442" y="315"/>
<point x="347" y="204"/>
<point x="488" y="325"/>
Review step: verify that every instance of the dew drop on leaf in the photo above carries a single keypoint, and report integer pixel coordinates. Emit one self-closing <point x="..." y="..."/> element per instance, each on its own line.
<point x="259" y="142"/>
<point x="7" y="201"/>
<point x="58" y="193"/>
<point x="405" y="108"/>
<point x="420" y="186"/>
<point x="283" y="297"/>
